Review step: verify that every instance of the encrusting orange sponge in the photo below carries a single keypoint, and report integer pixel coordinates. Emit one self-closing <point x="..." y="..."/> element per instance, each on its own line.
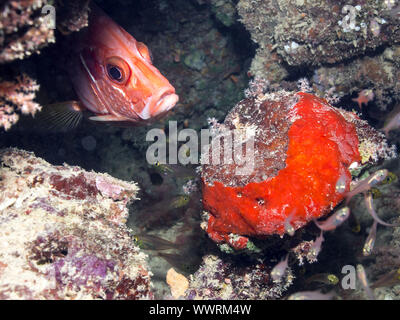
<point x="303" y="148"/>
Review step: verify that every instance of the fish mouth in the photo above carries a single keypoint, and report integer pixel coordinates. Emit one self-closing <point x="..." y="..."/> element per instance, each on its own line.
<point x="165" y="103"/>
<point x="159" y="105"/>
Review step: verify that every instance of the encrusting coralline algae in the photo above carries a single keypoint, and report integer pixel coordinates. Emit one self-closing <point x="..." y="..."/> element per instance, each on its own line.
<point x="63" y="233"/>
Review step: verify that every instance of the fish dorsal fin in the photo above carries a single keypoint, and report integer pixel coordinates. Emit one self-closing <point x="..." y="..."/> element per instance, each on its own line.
<point x="60" y="117"/>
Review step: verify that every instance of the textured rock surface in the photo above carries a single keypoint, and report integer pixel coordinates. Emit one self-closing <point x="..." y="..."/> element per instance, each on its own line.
<point x="63" y="233"/>
<point x="319" y="31"/>
<point x="303" y="148"/>
<point x="25" y="29"/>
<point x="22" y="29"/>
<point x="224" y="279"/>
<point x="378" y="72"/>
<point x="342" y="41"/>
<point x="16" y="97"/>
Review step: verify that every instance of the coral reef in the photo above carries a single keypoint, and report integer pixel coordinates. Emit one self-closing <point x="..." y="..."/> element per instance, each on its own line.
<point x="224" y="279"/>
<point x="317" y="32"/>
<point x="379" y="72"/>
<point x="63" y="233"/>
<point x="23" y="30"/>
<point x="205" y="51"/>
<point x="350" y="46"/>
<point x="17" y="96"/>
<point x="303" y="149"/>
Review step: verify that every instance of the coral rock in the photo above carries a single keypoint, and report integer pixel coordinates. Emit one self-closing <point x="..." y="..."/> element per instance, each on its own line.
<point x="226" y="279"/>
<point x="303" y="148"/>
<point x="63" y="233"/>
<point x="17" y="96"/>
<point x="23" y="30"/>
<point x="316" y="32"/>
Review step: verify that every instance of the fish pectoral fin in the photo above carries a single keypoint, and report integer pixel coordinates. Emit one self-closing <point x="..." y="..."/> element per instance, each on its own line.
<point x="107" y="117"/>
<point x="61" y="116"/>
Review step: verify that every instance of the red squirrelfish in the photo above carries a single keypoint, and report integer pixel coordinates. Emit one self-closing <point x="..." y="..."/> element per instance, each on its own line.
<point x="114" y="77"/>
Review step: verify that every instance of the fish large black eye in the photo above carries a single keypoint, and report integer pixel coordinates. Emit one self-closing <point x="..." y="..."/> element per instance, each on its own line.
<point x="115" y="73"/>
<point x="118" y="71"/>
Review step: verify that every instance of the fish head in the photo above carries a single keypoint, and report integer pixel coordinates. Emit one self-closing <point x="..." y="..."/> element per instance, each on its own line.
<point x="115" y="75"/>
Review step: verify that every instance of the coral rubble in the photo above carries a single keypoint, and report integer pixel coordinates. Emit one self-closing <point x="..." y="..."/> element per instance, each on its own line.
<point x="63" y="233"/>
